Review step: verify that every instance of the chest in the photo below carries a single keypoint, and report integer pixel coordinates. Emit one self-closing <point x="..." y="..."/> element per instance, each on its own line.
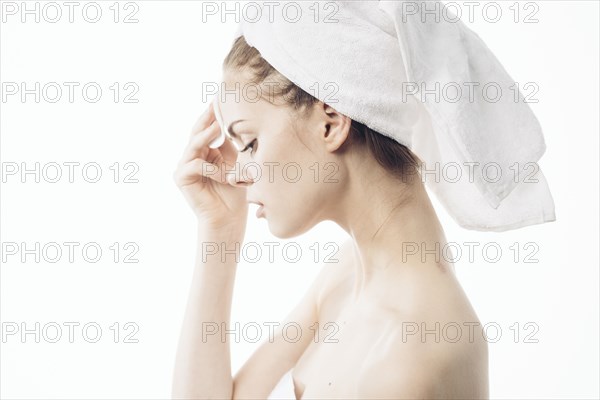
<point x="347" y="353"/>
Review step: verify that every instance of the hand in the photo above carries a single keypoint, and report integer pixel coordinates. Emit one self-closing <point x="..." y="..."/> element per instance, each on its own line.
<point x="200" y="175"/>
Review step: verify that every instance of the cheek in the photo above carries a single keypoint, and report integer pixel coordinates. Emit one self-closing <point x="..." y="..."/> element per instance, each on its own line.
<point x="291" y="214"/>
<point x="296" y="205"/>
<point x="288" y="167"/>
<point x="299" y="196"/>
<point x="292" y="174"/>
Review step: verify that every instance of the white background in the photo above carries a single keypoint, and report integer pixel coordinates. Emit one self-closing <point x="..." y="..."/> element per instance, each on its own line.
<point x="168" y="54"/>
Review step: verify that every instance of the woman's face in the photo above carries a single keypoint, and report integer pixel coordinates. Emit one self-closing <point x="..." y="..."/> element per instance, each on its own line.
<point x="288" y="166"/>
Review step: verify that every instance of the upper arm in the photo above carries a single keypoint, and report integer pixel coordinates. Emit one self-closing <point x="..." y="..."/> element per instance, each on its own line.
<point x="265" y="367"/>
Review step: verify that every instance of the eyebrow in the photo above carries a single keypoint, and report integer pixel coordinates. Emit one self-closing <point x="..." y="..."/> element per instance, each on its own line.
<point x="230" y="129"/>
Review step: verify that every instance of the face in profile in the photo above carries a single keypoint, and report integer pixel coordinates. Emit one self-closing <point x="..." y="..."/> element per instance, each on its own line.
<point x="285" y="162"/>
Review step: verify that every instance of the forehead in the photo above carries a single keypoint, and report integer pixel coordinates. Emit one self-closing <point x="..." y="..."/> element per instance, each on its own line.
<point x="241" y="99"/>
<point x="246" y="101"/>
<point x="235" y="105"/>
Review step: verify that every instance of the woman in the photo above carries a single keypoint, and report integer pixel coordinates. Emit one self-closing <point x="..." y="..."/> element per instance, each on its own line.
<point x="388" y="306"/>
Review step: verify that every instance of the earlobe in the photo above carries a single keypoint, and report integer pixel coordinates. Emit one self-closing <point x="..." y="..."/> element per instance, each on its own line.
<point x="336" y="134"/>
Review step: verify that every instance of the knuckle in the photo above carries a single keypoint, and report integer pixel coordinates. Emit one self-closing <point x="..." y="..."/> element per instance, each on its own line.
<point x="196" y="142"/>
<point x="197" y="163"/>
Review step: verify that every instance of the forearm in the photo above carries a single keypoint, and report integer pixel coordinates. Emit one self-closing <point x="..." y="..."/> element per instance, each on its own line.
<point x="203" y="362"/>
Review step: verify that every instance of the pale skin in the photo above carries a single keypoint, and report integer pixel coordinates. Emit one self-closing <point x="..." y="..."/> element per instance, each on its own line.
<point x="372" y="305"/>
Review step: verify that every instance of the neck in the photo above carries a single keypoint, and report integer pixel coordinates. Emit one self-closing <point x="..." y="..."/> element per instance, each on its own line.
<point x="395" y="230"/>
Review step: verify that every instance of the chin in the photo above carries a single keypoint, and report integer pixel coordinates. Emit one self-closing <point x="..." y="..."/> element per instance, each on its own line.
<point x="288" y="229"/>
<point x="282" y="232"/>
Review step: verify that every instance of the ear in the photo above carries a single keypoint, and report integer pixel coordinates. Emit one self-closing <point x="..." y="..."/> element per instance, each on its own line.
<point x="336" y="128"/>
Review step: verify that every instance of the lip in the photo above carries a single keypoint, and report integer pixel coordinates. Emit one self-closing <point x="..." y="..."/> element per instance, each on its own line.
<point x="260" y="212"/>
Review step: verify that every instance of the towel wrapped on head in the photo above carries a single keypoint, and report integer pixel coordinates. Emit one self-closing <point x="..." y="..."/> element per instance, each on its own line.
<point x="429" y="83"/>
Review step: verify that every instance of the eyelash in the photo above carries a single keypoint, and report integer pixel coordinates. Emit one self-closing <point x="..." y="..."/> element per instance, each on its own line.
<point x="250" y="145"/>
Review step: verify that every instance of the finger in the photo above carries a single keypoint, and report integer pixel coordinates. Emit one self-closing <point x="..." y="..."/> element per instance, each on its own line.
<point x="236" y="179"/>
<point x="229" y="152"/>
<point x="216" y="157"/>
<point x="204" y="120"/>
<point x="197" y="169"/>
<point x="198" y="145"/>
<point x="230" y="178"/>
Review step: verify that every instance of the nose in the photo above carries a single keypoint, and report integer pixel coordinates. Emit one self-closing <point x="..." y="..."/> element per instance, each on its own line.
<point x="237" y="181"/>
<point x="242" y="174"/>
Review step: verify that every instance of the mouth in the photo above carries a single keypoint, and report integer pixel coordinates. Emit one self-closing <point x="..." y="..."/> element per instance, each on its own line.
<point x="260" y="211"/>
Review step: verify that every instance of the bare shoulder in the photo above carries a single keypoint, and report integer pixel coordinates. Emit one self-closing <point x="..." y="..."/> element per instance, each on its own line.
<point x="432" y="347"/>
<point x="411" y="369"/>
<point x="428" y="356"/>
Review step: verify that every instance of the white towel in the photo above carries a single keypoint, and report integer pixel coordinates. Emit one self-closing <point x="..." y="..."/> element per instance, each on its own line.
<point x="374" y="60"/>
